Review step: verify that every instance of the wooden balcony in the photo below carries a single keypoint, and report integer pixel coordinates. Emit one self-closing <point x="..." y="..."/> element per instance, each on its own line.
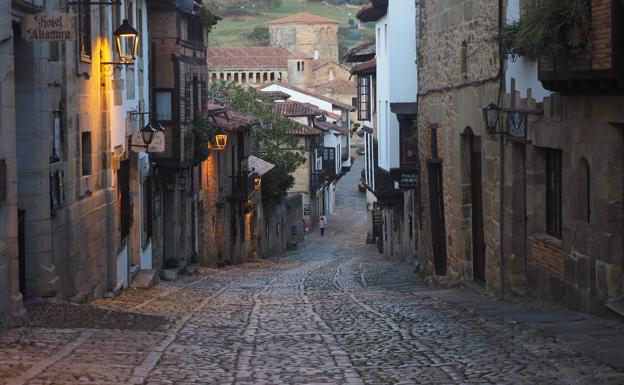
<point x="603" y="72"/>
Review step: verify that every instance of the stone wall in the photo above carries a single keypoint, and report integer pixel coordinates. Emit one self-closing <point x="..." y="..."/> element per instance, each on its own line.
<point x="584" y="267"/>
<point x="306" y="38"/>
<point x="274" y="230"/>
<point x="10" y="297"/>
<point x="458" y="64"/>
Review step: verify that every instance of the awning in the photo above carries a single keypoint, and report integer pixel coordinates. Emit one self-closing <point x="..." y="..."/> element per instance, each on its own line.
<point x="259" y="166"/>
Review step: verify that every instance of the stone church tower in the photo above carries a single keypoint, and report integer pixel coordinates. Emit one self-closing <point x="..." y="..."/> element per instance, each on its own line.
<point x="314" y="36"/>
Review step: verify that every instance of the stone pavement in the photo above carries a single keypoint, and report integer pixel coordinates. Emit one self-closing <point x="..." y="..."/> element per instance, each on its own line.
<point x="331" y="312"/>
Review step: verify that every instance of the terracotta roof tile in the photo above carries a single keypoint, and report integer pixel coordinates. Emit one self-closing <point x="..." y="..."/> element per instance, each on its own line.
<point x="227" y="119"/>
<point x="276" y="95"/>
<point x="299" y="55"/>
<point x="304" y="17"/>
<point x="305" y="131"/>
<point x="260" y="166"/>
<point x="338" y="86"/>
<point x="373" y="11"/>
<point x="334" y="102"/>
<point x="247" y="57"/>
<point x="367" y="67"/>
<point x="361" y="52"/>
<point x="326" y="126"/>
<point x="290" y="108"/>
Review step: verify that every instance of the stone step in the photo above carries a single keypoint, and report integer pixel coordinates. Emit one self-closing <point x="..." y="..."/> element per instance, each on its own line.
<point x="144" y="279"/>
<point x="617" y="307"/>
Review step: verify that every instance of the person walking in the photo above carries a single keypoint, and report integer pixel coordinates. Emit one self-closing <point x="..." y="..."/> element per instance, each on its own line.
<point x="322" y="224"/>
<point x="306" y="228"/>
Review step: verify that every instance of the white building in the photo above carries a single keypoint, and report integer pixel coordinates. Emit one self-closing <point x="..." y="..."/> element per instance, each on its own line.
<point x="397" y="83"/>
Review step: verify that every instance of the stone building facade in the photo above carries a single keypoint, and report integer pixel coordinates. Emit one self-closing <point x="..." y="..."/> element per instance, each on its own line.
<point x="10" y="296"/>
<point x="314" y="36"/>
<point x="558" y="231"/>
<point x="458" y="67"/>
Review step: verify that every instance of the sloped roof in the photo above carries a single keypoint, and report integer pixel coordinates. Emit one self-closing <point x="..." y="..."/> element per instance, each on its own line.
<point x="291" y="109"/>
<point x="373" y="11"/>
<point x="361" y="52"/>
<point x="299" y="55"/>
<point x="276" y="95"/>
<point x="314" y="95"/>
<point x="227" y="119"/>
<point x="367" y="67"/>
<point x="303" y="130"/>
<point x="260" y="166"/>
<point x="326" y="126"/>
<point x="338" y="86"/>
<point x="303" y="17"/>
<point x="247" y="57"/>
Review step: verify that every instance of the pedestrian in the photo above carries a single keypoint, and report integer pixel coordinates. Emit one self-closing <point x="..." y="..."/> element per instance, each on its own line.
<point x="322" y="224"/>
<point x="306" y="228"/>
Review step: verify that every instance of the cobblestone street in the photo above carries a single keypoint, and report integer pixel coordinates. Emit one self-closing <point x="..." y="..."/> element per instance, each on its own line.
<point x="330" y="313"/>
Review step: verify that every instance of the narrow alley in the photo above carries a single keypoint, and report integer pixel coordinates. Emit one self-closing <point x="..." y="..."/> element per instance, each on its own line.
<point x="332" y="312"/>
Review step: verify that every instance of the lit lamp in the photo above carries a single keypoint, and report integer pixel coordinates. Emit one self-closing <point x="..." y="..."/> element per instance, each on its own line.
<point x="147" y="134"/>
<point x="127" y="39"/>
<point x="491" y="115"/>
<point x="220" y="141"/>
<point x="258" y="183"/>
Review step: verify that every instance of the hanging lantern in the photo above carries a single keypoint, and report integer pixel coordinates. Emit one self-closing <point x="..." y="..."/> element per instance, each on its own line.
<point x="258" y="183"/>
<point x="491" y="114"/>
<point x="220" y="142"/>
<point x="127" y="39"/>
<point x="147" y="134"/>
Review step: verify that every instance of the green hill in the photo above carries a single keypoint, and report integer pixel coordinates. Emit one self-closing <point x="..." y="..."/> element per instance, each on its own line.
<point x="238" y="21"/>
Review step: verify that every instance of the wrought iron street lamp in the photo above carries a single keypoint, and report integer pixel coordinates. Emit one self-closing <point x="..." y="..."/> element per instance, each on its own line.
<point x="147" y="134"/>
<point x="220" y="142"/>
<point x="491" y="117"/>
<point x="127" y="44"/>
<point x="127" y="39"/>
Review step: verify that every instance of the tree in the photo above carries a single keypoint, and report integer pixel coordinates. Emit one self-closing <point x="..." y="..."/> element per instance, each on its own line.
<point x="260" y="35"/>
<point x="270" y="139"/>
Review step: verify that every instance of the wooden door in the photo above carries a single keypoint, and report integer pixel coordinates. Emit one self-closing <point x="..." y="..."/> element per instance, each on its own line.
<point x="478" y="238"/>
<point x="438" y="230"/>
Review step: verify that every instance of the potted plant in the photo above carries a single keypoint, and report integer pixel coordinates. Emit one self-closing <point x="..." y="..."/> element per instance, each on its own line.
<point x="170" y="269"/>
<point x="203" y="134"/>
<point x="554" y="28"/>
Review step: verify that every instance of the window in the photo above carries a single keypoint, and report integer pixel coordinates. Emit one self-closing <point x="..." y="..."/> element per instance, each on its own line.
<point x="386" y="38"/>
<point x="553" y="192"/>
<point x="188" y="95"/>
<point x="204" y="91"/>
<point x="583" y="207"/>
<point x="56" y="190"/>
<point x="84" y="31"/>
<point x="196" y="98"/>
<point x="86" y="153"/>
<point x="464" y="60"/>
<point x="195" y="30"/>
<point x="363" y="101"/>
<point x="57" y="138"/>
<point x="302" y="66"/>
<point x="163" y="106"/>
<point x="316" y="54"/>
<point x="299" y="66"/>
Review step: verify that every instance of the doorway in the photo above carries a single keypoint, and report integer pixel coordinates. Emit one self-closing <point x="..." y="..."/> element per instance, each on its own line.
<point x="478" y="237"/>
<point x="21" y="244"/>
<point x="438" y="229"/>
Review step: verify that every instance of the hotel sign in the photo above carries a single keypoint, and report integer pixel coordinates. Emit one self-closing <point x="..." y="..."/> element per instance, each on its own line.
<point x="53" y="26"/>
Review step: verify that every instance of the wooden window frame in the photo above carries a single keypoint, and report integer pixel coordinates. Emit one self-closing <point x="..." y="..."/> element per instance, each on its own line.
<point x="553" y="192"/>
<point x="84" y="32"/>
<point x="363" y="98"/>
<point x="163" y="91"/>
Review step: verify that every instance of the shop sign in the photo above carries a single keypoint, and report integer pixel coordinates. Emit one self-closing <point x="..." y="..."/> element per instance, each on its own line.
<point x="376" y="223"/>
<point x="157" y="145"/>
<point x="306" y="210"/>
<point x="516" y="124"/>
<point x="409" y="180"/>
<point x="53" y="26"/>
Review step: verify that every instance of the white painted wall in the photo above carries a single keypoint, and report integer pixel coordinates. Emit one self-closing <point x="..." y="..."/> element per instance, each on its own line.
<point x="396" y="75"/>
<point x="524" y="70"/>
